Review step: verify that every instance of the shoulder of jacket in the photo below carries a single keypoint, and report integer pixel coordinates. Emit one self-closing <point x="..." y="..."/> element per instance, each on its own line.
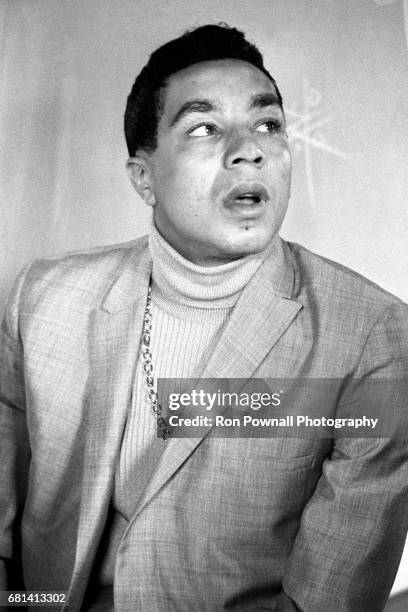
<point x="84" y="273"/>
<point x="337" y="281"/>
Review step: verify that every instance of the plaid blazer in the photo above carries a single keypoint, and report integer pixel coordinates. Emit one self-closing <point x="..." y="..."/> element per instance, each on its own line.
<point x="234" y="524"/>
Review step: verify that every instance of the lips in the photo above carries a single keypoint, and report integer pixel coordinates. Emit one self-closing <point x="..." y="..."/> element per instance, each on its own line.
<point x="246" y="194"/>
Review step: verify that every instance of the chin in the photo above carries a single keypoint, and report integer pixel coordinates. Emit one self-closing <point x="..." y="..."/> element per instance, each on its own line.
<point x="247" y="243"/>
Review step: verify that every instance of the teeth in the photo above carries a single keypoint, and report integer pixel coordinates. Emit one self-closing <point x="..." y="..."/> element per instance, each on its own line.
<point x="249" y="196"/>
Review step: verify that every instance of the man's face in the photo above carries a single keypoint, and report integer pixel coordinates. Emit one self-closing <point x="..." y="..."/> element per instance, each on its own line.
<point x="221" y="171"/>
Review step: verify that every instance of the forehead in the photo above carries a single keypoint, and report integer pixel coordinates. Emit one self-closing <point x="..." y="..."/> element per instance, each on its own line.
<point x="226" y="81"/>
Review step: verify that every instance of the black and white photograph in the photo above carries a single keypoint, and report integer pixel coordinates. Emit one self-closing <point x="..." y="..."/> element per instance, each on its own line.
<point x="203" y="305"/>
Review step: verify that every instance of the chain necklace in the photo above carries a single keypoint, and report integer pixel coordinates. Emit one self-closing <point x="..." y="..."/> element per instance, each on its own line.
<point x="148" y="368"/>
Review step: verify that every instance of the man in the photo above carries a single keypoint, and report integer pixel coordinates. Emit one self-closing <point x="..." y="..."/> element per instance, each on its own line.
<point x="93" y="503"/>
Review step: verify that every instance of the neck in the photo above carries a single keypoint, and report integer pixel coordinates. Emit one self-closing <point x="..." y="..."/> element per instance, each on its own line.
<point x="179" y="279"/>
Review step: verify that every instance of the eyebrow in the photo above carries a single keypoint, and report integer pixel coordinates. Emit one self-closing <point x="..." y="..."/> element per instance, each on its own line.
<point x="264" y="99"/>
<point x="194" y="106"/>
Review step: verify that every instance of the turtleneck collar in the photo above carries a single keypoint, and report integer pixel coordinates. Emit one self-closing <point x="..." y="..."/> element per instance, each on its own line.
<point x="180" y="280"/>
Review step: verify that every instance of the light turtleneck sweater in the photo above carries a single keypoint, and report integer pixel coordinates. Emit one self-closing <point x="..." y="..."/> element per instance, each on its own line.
<point x="188" y="284"/>
<point x="190" y="306"/>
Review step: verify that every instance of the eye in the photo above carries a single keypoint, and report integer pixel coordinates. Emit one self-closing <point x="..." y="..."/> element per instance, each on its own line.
<point x="204" y="129"/>
<point x="270" y="126"/>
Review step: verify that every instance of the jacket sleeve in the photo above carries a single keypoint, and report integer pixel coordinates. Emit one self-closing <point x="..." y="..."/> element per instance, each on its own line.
<point x="352" y="531"/>
<point x="14" y="439"/>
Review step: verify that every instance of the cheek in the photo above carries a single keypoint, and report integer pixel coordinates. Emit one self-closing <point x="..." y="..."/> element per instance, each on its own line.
<point x="281" y="168"/>
<point x="194" y="182"/>
<point x="286" y="163"/>
<point x="180" y="177"/>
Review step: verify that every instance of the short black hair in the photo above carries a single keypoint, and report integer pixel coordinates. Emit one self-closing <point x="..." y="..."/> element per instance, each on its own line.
<point x="206" y="43"/>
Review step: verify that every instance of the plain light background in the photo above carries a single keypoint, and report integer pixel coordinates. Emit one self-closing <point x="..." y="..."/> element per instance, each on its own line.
<point x="67" y="66"/>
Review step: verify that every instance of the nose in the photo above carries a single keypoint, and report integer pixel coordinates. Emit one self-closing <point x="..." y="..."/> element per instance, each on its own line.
<point x="243" y="148"/>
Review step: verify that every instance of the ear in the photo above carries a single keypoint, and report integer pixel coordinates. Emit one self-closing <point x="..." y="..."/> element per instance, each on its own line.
<point x="141" y="177"/>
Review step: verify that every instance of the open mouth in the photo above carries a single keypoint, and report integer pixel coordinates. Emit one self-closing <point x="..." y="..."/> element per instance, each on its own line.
<point x="246" y="194"/>
<point x="248" y="199"/>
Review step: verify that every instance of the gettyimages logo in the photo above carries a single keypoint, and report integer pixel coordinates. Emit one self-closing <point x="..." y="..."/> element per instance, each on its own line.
<point x="208" y="400"/>
<point x="310" y="408"/>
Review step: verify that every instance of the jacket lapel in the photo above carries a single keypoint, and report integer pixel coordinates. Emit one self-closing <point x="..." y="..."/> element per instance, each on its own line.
<point x="114" y="344"/>
<point x="263" y="312"/>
